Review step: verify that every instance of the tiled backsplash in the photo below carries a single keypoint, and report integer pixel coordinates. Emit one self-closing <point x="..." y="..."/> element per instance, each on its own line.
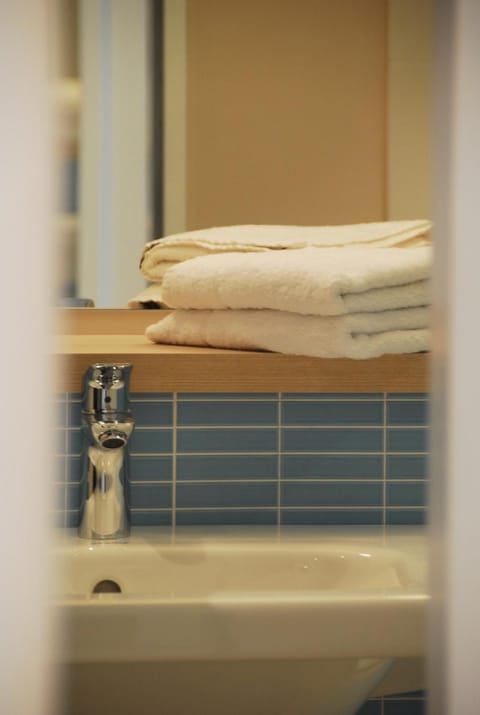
<point x="267" y="459"/>
<point x="285" y="458"/>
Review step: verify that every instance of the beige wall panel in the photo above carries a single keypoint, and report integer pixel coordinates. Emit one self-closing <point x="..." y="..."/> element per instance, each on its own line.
<point x="286" y="111"/>
<point x="409" y="109"/>
<point x="409" y="140"/>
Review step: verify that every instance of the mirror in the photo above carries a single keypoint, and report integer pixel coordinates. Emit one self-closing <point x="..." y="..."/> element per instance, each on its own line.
<point x="192" y="114"/>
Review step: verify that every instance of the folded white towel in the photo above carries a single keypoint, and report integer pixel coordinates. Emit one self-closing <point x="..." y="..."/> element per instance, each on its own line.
<point x="160" y="255"/>
<point x="358" y="336"/>
<point x="329" y="281"/>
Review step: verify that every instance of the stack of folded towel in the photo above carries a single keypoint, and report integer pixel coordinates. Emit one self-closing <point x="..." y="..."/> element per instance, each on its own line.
<point x="355" y="291"/>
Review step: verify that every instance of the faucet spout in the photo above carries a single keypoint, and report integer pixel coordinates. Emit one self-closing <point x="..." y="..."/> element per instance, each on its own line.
<point x="107" y="425"/>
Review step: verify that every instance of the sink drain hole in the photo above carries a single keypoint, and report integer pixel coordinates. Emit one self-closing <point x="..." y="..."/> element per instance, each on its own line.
<point x="107" y="586"/>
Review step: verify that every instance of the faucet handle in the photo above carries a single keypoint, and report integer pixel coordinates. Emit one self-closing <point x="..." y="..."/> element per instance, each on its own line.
<point x="106" y="388"/>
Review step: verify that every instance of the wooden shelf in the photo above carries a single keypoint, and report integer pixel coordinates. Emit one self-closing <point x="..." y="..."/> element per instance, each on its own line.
<point x="105" y="321"/>
<point x="89" y="335"/>
<point x="164" y="368"/>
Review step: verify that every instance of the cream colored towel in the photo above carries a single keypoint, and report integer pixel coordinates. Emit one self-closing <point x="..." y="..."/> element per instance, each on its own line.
<point x="329" y="281"/>
<point x="159" y="255"/>
<point x="162" y="254"/>
<point x="358" y="336"/>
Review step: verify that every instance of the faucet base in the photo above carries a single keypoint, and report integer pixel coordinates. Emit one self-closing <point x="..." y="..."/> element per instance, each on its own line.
<point x="86" y="533"/>
<point x="107" y="427"/>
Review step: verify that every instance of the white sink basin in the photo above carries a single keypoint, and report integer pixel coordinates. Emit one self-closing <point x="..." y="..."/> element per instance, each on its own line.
<point x="309" y="609"/>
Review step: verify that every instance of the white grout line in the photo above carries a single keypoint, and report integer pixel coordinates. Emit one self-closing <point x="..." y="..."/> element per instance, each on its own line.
<point x="279" y="461"/>
<point x="151" y="483"/>
<point x="270" y="508"/>
<point x="384" y="465"/>
<point x="163" y="509"/>
<point x="271" y="426"/>
<point x="174" y="461"/>
<point x="324" y="481"/>
<point x="321" y="397"/>
<point x="226" y="400"/>
<point x="274" y="480"/>
<point x="226" y="508"/>
<point x="285" y="398"/>
<point x="266" y="454"/>
<point x="259" y="480"/>
<point x="286" y="508"/>
<point x="66" y="467"/>
<point x="339" y="427"/>
<point x="153" y="428"/>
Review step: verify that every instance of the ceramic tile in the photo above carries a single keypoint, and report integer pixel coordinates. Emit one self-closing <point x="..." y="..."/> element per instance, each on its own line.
<point x="215" y="396"/>
<point x="227" y="413"/>
<point x="405" y="517"/>
<point x="332" y="440"/>
<point x="150" y="397"/>
<point x="407" y="440"/>
<point x="408" y="395"/>
<point x="406" y="494"/>
<point x="407" y="413"/>
<point x="224" y="467"/>
<point x="226" y="440"/>
<point x="328" y="517"/>
<point x="74" y="441"/>
<point x="332" y="396"/>
<point x="150" y="496"/>
<point x="150" y="517"/>
<point x="226" y="494"/>
<point x="226" y="517"/>
<point x="407" y="466"/>
<point x="72" y="519"/>
<point x="332" y="413"/>
<point x="335" y="466"/>
<point x="151" y="441"/>
<point x="74" y="414"/>
<point x="74" y="468"/>
<point x="330" y="494"/>
<point x="152" y="414"/>
<point x="150" y="469"/>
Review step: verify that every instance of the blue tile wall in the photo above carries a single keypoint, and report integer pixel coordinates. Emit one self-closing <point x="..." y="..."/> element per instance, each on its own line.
<point x="288" y="458"/>
<point x="266" y="459"/>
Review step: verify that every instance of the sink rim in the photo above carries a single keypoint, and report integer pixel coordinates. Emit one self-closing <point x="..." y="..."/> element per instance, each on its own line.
<point x="238" y="621"/>
<point x="403" y="550"/>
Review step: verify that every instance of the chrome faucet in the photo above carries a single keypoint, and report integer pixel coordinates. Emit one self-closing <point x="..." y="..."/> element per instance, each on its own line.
<point x="107" y="425"/>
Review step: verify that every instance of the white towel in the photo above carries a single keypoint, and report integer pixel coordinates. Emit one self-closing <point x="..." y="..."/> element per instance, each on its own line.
<point x="160" y="255"/>
<point x="358" y="336"/>
<point x="329" y="281"/>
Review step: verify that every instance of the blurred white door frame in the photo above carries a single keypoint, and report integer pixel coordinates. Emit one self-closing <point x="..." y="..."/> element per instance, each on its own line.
<point x="26" y="290"/>
<point x="455" y="489"/>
